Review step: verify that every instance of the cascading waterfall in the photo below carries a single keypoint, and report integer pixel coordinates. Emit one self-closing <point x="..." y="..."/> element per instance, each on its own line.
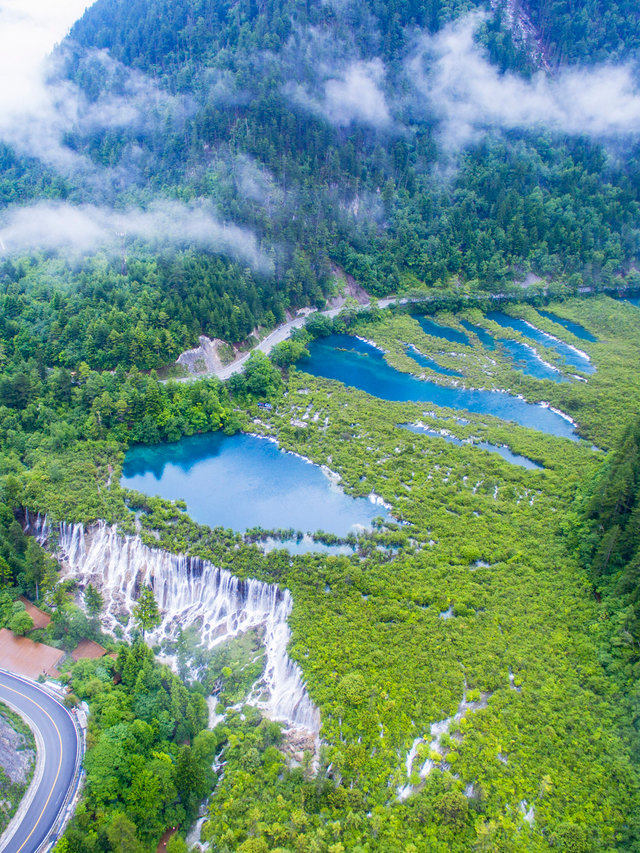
<point x="189" y="591"/>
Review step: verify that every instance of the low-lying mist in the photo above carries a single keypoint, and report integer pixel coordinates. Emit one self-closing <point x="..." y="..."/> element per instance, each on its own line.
<point x="86" y="228"/>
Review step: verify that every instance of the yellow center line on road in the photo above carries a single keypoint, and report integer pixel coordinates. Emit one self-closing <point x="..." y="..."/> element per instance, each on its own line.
<point x="44" y="711"/>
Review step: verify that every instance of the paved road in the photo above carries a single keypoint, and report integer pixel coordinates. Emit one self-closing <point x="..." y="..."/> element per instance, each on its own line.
<point x="266" y="345"/>
<point x="281" y="333"/>
<point x="61" y="745"/>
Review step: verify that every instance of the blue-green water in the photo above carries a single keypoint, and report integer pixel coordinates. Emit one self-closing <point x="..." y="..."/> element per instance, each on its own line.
<point x="424" y="361"/>
<point x="524" y="357"/>
<point x="438" y="331"/>
<point x="634" y="300"/>
<point x="306" y="545"/>
<point x="500" y="449"/>
<point x="487" y="340"/>
<point x="360" y="365"/>
<point x="570" y="355"/>
<point x="574" y="328"/>
<point x="241" y="482"/>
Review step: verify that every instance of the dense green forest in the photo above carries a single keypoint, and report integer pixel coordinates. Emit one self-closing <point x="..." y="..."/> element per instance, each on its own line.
<point x="90" y="312"/>
<point x="223" y="127"/>
<point x="295" y="145"/>
<point x="548" y="671"/>
<point x="593" y="32"/>
<point x="608" y="534"/>
<point x="149" y="761"/>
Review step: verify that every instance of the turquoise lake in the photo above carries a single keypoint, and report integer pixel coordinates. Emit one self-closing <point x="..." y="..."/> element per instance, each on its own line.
<point x="523" y="357"/>
<point x="306" y="545"/>
<point x="574" y="328"/>
<point x="487" y="340"/>
<point x="500" y="449"/>
<point x="437" y="331"/>
<point x="241" y="482"/>
<point x="569" y="355"/>
<point x="360" y="365"/>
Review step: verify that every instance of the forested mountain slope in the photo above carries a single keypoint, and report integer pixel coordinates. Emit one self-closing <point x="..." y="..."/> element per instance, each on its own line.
<point x="209" y="168"/>
<point x="610" y="532"/>
<point x="587" y="32"/>
<point x="331" y="106"/>
<point x="284" y="137"/>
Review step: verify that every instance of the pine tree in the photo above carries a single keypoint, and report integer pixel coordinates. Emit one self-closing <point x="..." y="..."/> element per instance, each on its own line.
<point x="93" y="601"/>
<point x="146" y="614"/>
<point x="6" y="575"/>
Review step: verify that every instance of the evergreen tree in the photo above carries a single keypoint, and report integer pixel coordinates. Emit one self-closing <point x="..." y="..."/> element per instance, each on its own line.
<point x="93" y="601"/>
<point x="21" y="623"/>
<point x="6" y="575"/>
<point x="145" y="613"/>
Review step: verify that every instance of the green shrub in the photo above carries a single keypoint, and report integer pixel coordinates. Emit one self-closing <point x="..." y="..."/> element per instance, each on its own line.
<point x="21" y="623"/>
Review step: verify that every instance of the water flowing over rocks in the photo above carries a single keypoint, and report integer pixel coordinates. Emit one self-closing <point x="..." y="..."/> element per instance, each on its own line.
<point x="437" y="752"/>
<point x="189" y="592"/>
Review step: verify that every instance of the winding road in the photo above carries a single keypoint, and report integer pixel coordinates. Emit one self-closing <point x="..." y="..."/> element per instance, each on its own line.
<point x="281" y="333"/>
<point x="58" y="744"/>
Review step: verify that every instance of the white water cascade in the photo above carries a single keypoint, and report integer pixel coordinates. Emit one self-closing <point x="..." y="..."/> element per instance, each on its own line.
<point x="189" y="591"/>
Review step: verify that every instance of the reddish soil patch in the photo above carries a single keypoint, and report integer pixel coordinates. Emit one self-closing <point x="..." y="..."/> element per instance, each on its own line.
<point x="23" y="656"/>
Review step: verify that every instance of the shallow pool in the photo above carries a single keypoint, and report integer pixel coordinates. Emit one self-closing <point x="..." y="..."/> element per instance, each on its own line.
<point x="429" y="327"/>
<point x="570" y="355"/>
<point x="574" y="328"/>
<point x="500" y="449"/>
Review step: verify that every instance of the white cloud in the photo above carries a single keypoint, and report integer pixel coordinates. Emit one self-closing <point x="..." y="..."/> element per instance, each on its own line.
<point x="129" y="99"/>
<point x="33" y="113"/>
<point x="86" y="228"/>
<point x="469" y="94"/>
<point x="29" y="30"/>
<point x="353" y="94"/>
<point x="357" y="96"/>
<point x="38" y="105"/>
<point x="253" y="181"/>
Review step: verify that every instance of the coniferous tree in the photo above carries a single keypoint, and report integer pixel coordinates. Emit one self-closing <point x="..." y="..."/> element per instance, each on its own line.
<point x="93" y="600"/>
<point x="145" y="613"/>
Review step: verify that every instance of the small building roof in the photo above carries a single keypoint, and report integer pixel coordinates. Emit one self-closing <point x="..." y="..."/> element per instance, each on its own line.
<point x="88" y="649"/>
<point x="24" y="657"/>
<point x="40" y="618"/>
